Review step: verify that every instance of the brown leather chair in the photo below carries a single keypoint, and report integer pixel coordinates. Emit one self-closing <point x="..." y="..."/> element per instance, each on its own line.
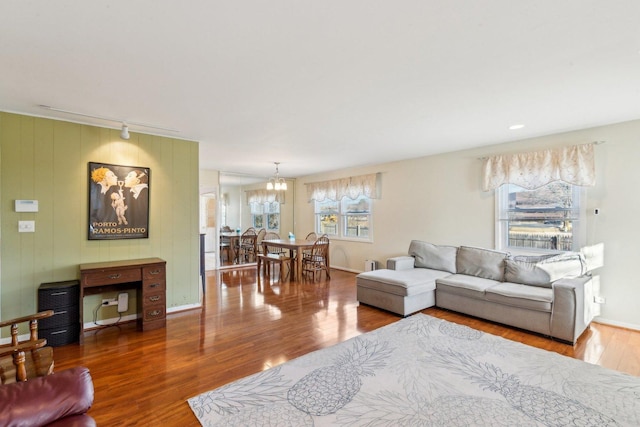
<point x="59" y="399"/>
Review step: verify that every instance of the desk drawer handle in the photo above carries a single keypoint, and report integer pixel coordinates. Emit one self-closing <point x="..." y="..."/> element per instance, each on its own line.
<point x="155" y="272"/>
<point x="154" y="298"/>
<point x="115" y="276"/>
<point x="55" y="313"/>
<point x="155" y="313"/>
<point x="55" y="294"/>
<point x="64" y="331"/>
<point x="154" y="285"/>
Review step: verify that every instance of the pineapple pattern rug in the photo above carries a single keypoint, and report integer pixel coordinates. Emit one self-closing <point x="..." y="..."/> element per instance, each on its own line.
<point x="423" y="371"/>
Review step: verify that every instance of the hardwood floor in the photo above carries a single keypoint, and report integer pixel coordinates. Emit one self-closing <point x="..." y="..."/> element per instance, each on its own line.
<point x="248" y="325"/>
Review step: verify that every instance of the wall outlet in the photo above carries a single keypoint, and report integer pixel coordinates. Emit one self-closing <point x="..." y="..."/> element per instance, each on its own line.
<point x="109" y="301"/>
<point x="599" y="300"/>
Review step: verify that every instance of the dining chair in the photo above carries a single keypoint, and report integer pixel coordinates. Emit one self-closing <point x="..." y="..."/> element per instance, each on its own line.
<point x="271" y="235"/>
<point x="261" y="233"/>
<point x="311" y="237"/>
<point x="275" y="255"/>
<point x="246" y="250"/>
<point x="225" y="248"/>
<point x="315" y="261"/>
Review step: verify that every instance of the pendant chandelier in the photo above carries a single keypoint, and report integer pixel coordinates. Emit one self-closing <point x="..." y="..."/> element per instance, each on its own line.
<point x="277" y="183"/>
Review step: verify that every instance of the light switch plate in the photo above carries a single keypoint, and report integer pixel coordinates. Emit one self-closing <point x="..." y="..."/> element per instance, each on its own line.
<point x="26" y="226"/>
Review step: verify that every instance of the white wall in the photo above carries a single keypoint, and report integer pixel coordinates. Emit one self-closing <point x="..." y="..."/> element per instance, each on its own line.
<point x="439" y="199"/>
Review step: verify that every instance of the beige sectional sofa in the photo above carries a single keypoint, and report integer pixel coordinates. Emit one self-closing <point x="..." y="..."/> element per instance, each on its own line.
<point x="551" y="295"/>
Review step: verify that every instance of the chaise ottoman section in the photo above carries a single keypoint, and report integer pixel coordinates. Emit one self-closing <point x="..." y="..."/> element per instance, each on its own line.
<point x="400" y="291"/>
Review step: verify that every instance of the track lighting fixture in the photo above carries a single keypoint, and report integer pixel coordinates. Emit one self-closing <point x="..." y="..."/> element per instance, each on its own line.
<point x="124" y="134"/>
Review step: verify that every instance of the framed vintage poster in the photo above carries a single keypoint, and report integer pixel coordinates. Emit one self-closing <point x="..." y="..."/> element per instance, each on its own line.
<point x="118" y="201"/>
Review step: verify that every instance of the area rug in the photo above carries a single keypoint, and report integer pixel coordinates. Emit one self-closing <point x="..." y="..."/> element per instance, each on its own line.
<point x="423" y="371"/>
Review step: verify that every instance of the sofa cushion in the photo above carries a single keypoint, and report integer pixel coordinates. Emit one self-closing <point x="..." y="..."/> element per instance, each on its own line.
<point x="543" y="270"/>
<point x="462" y="284"/>
<point x="400" y="282"/>
<point x="432" y="256"/>
<point x="522" y="296"/>
<point x="480" y="262"/>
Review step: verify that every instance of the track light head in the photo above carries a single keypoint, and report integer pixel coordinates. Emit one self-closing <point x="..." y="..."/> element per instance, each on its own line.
<point x="124" y="134"/>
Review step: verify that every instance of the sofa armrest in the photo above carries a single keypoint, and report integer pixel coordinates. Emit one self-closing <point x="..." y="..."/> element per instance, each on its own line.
<point x="570" y="314"/>
<point x="43" y="400"/>
<point x="401" y="263"/>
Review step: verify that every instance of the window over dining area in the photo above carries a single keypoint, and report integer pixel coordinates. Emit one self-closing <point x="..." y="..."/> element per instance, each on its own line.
<point x="343" y="208"/>
<point x="266" y="215"/>
<point x="345" y="218"/>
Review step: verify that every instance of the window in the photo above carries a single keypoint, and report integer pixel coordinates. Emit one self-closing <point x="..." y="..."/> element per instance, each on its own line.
<point x="350" y="219"/>
<point x="266" y="215"/>
<point x="545" y="219"/>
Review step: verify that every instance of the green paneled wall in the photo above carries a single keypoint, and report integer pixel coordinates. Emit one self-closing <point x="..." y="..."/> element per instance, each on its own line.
<point x="46" y="160"/>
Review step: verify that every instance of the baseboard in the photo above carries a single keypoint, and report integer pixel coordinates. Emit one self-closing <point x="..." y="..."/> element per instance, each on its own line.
<point x="109" y="321"/>
<point x="616" y="323"/>
<point x="131" y="317"/>
<point x="349" y="270"/>
<point x="185" y="307"/>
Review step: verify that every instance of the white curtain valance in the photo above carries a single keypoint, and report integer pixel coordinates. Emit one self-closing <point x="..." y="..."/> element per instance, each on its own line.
<point x="574" y="165"/>
<point x="264" y="196"/>
<point x="351" y="187"/>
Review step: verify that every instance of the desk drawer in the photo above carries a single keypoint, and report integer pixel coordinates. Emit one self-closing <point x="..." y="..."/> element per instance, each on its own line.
<point x="157" y="272"/>
<point x="153" y="312"/>
<point x="153" y="299"/>
<point x="112" y="277"/>
<point x="61" y="317"/>
<point x="153" y="286"/>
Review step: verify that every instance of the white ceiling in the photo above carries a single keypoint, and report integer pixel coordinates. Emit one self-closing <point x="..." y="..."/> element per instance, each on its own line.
<point x="324" y="85"/>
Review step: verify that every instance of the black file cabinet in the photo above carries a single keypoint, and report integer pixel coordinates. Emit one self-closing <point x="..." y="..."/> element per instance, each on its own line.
<point x="63" y="298"/>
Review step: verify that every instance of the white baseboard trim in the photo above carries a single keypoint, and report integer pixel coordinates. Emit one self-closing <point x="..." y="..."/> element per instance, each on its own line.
<point x="131" y="317"/>
<point x="350" y="270"/>
<point x="184" y="307"/>
<point x="110" y="321"/>
<point x="616" y="323"/>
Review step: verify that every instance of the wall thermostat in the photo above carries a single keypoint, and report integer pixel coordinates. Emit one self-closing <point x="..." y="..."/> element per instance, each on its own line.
<point x="26" y="206"/>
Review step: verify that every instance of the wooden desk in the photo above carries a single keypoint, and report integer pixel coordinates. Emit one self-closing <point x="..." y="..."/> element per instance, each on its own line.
<point x="294" y="246"/>
<point x="147" y="276"/>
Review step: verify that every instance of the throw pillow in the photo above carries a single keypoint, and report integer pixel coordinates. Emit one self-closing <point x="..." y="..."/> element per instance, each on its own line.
<point x="432" y="256"/>
<point x="480" y="262"/>
<point x="526" y="273"/>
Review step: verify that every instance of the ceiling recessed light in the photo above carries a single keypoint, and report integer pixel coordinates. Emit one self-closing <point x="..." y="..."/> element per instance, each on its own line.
<point x="516" y="127"/>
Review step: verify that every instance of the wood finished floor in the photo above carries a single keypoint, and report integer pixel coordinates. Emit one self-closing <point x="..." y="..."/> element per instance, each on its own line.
<point x="248" y="325"/>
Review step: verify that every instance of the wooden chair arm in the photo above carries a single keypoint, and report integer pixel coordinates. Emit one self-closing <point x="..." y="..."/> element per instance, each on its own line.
<point x="37" y="316"/>
<point x="23" y="346"/>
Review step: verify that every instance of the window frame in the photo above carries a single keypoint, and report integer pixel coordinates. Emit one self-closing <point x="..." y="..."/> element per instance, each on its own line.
<point x="342" y="215"/>
<point x="262" y="214"/>
<point x="578" y="219"/>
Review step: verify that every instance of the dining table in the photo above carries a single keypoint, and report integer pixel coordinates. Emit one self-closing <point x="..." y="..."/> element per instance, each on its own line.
<point x="295" y="248"/>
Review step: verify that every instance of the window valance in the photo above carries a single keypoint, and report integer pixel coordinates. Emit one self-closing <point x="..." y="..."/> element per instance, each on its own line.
<point x="262" y="196"/>
<point x="351" y="187"/>
<point x="574" y="164"/>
